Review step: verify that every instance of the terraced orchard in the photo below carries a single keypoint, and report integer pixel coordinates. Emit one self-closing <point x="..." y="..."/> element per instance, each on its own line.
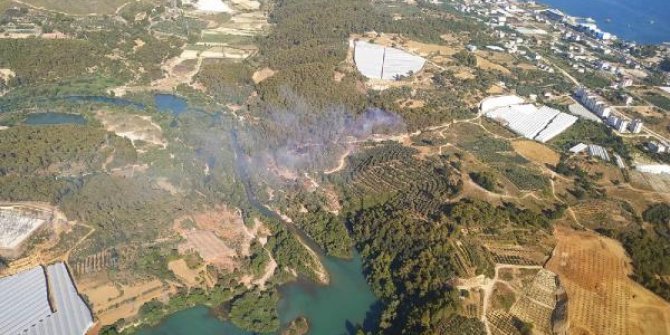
<point x="386" y="169"/>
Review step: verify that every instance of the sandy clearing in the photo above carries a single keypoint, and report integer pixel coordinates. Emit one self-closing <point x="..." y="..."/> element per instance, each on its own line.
<point x="262" y="74"/>
<point x="220" y="236"/>
<point x="138" y="44"/>
<point x="246" y="4"/>
<point x="133" y="127"/>
<point x="6" y="73"/>
<point x="495" y="89"/>
<point x="210" y="247"/>
<point x="410" y="103"/>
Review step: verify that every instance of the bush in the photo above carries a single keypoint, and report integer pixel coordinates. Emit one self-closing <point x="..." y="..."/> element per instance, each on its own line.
<point x="487" y="180"/>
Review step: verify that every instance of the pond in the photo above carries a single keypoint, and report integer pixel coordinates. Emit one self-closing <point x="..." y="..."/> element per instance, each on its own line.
<point x="330" y="309"/>
<point x="51" y="118"/>
<point x="170" y="103"/>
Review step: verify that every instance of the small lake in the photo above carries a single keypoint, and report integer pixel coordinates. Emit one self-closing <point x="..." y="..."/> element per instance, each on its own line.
<point x="330" y="310"/>
<point x="51" y="118"/>
<point x="170" y="103"/>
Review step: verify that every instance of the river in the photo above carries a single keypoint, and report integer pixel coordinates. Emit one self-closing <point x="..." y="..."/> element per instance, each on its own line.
<point x="330" y="309"/>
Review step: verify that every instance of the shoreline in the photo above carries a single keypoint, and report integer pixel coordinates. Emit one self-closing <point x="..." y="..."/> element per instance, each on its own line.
<point x="645" y="39"/>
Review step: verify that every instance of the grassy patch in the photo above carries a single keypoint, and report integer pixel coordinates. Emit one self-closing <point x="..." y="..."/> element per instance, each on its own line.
<point x="658" y="100"/>
<point x="79" y="7"/>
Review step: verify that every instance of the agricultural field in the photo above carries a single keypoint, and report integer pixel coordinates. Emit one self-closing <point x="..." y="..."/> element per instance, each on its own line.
<point x="391" y="168"/>
<point x="282" y="161"/>
<point x="77" y="7"/>
<point x="112" y="302"/>
<point x="610" y="215"/>
<point x="603" y="299"/>
<point x="536" y="152"/>
<point x="497" y="152"/>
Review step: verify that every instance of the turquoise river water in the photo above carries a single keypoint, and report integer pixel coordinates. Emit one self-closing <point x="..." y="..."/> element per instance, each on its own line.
<point x="332" y="309"/>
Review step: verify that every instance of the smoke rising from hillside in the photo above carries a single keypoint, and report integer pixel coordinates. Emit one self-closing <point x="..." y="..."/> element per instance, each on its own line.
<point x="300" y="137"/>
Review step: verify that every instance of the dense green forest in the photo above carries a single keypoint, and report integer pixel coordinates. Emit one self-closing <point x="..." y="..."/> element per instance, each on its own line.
<point x="401" y="209"/>
<point x="650" y="249"/>
<point x="37" y="60"/>
<point x="256" y="311"/>
<point x="310" y="39"/>
<point x="27" y="150"/>
<point x="409" y="260"/>
<point x="227" y="81"/>
<point x="48" y="163"/>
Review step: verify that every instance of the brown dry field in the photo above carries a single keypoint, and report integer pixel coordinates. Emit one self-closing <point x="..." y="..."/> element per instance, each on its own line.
<point x="536" y="152"/>
<point x="425" y="50"/>
<point x="592" y="166"/>
<point x="650" y="182"/>
<point x="110" y="304"/>
<point x="485" y="64"/>
<point x="77" y="7"/>
<point x="606" y="213"/>
<point x="210" y="247"/>
<point x="495" y="89"/>
<point x="187" y="275"/>
<point x="185" y="67"/>
<point x="220" y="237"/>
<point x="463" y="73"/>
<point x="602" y="298"/>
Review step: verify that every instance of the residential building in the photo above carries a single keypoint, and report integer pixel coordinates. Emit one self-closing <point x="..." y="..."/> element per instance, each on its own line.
<point x="636" y="126"/>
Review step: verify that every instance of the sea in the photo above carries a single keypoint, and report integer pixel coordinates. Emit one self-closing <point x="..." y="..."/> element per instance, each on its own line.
<point x="642" y="21"/>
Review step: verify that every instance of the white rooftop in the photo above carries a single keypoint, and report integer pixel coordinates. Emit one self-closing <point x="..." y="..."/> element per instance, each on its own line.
<point x="212" y="6"/>
<point x="25" y="307"/>
<point x="15" y="227"/>
<point x="578" y="148"/>
<point x="654" y="168"/>
<point x="380" y="62"/>
<point x="540" y="124"/>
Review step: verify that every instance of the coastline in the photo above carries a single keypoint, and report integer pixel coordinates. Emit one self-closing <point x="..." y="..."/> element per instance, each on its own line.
<point x="636" y="22"/>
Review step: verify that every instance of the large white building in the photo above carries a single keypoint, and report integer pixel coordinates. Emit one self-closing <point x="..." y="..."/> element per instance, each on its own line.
<point x="540" y="124"/>
<point x="654" y="168"/>
<point x="380" y="62"/>
<point x="42" y="301"/>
